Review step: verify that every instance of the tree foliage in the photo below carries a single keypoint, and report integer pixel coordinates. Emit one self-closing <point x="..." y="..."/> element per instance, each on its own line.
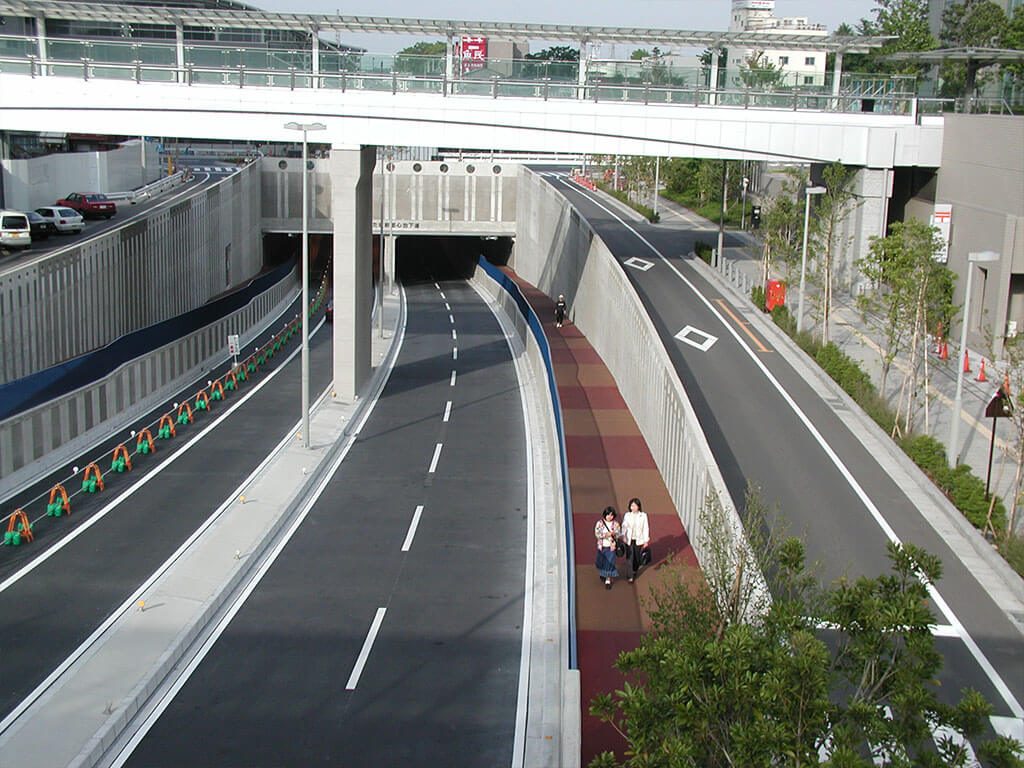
<point x="421" y="58"/>
<point x="976" y="24"/>
<point x="757" y="71"/>
<point x="829" y="238"/>
<point x="907" y="22"/>
<point x="782" y="223"/>
<point x="708" y="689"/>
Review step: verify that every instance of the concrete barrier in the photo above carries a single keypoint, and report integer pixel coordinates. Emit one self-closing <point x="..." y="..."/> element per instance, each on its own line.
<point x="40" y="439"/>
<point x="557" y="251"/>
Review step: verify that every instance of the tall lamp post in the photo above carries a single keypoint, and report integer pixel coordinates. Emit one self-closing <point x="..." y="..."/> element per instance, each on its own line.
<point x="975" y="257"/>
<point x="808" y="192"/>
<point x="305" y="128"/>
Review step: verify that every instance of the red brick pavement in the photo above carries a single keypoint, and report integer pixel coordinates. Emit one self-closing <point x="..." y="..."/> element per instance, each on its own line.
<point x="609" y="463"/>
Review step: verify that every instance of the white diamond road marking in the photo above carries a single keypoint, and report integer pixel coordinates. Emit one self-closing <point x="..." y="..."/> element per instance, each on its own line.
<point x="685" y="334"/>
<point x="641" y="264"/>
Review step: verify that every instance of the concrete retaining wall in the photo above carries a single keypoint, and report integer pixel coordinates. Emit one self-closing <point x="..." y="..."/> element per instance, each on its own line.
<point x="61" y="306"/>
<point x="40" y="439"/>
<point x="557" y="251"/>
<point x="38" y="181"/>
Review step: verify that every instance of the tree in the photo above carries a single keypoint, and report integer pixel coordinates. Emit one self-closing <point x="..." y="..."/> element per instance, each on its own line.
<point x="758" y="72"/>
<point x="421" y="58"/>
<point x="913" y="295"/>
<point x="706" y="59"/>
<point x="782" y="222"/>
<point x="709" y="689"/>
<point x="639" y="54"/>
<point x="907" y="21"/>
<point x="974" y="24"/>
<point x="558" y="61"/>
<point x="828" y="237"/>
<point x="1013" y="37"/>
<point x="1013" y="354"/>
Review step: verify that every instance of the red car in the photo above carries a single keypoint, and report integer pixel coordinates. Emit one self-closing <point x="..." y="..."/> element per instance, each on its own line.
<point x="92" y="204"/>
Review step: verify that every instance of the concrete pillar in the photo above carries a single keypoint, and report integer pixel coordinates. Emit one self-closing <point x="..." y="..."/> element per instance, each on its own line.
<point x="581" y="73"/>
<point x="41" y="43"/>
<point x="315" y="42"/>
<point x="389" y="261"/>
<point x="872" y="189"/>
<point x="179" y="50"/>
<point x="351" y="171"/>
<point x="837" y="73"/>
<point x="713" y="79"/>
<point x="449" y="61"/>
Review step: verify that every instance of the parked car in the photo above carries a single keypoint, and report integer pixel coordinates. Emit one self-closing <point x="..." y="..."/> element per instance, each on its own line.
<point x="42" y="227"/>
<point x="14" y="230"/>
<point x="90" y="204"/>
<point x="63" y="218"/>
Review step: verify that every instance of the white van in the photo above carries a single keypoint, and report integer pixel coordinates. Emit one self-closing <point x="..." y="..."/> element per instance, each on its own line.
<point x="15" y="231"/>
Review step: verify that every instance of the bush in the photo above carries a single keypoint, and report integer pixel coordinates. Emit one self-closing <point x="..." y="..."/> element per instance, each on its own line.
<point x="757" y="296"/>
<point x="703" y="250"/>
<point x="1011" y="547"/>
<point x="783" y="319"/>
<point x="845" y="371"/>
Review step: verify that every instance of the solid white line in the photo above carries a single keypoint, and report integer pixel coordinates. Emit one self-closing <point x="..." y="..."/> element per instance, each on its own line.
<point x="139" y="593"/>
<point x="412" y="528"/>
<point x="452" y="382"/>
<point x="455" y="353"/>
<point x="447" y="411"/>
<point x="454" y="335"/>
<point x="364" y="654"/>
<point x="451" y="319"/>
<point x="95" y="518"/>
<point x="940" y="603"/>
<point x="171" y="692"/>
<point x="433" y="461"/>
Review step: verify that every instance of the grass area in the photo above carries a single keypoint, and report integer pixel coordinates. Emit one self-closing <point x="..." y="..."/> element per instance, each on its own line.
<point x="964" y="489"/>
<point x="712" y="210"/>
<point x="621" y="196"/>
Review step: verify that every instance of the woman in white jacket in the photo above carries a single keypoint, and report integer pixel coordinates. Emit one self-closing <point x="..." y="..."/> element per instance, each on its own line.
<point x="636" y="534"/>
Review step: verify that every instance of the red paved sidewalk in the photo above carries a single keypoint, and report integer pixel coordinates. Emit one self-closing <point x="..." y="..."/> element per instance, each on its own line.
<point x="609" y="463"/>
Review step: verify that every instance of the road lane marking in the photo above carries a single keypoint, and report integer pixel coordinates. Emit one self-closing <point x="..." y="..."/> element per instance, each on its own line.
<point x="433" y="461"/>
<point x="452" y="382"/>
<point x="437" y="286"/>
<point x="979" y="656"/>
<point x="744" y="326"/>
<point x="442" y="295"/>
<point x="451" y="319"/>
<point x="454" y="335"/>
<point x="685" y="334"/>
<point x="446" y="306"/>
<point x="455" y="353"/>
<point x="639" y="264"/>
<point x="412" y="528"/>
<point x="447" y="410"/>
<point x="364" y="654"/>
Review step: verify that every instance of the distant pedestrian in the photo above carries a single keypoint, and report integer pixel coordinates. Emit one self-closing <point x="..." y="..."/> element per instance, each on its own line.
<point x="636" y="533"/>
<point x="560" y="311"/>
<point x="607" y="532"/>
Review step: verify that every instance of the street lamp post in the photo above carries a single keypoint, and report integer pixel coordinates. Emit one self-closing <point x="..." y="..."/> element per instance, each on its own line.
<point x="743" y="205"/>
<point x="808" y="192"/>
<point x="973" y="258"/>
<point x="305" y="128"/>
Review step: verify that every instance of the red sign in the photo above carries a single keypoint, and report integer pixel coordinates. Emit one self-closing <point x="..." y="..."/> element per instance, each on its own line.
<point x="473" y="52"/>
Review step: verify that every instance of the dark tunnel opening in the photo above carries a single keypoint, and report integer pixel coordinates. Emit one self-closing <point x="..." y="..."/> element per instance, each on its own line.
<point x="429" y="258"/>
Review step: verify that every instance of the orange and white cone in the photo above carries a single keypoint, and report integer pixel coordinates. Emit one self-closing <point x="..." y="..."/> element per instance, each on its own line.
<point x="981" y="373"/>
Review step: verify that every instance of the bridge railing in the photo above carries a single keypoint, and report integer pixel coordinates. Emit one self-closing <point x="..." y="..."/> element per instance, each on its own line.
<point x="246" y="67"/>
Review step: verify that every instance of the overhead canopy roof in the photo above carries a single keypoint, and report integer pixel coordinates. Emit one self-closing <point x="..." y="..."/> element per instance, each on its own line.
<point x="939" y="55"/>
<point x="238" y="17"/>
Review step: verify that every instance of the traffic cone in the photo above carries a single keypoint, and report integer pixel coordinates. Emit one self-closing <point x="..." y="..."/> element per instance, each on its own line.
<point x="967" y="361"/>
<point x="944" y="352"/>
<point x="1006" y="383"/>
<point x="981" y="373"/>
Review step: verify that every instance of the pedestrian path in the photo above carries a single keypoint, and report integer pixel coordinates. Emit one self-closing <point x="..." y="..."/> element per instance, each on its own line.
<point x="609" y="463"/>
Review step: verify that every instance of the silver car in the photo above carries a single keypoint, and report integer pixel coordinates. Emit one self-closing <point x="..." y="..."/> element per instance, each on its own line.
<point x="63" y="219"/>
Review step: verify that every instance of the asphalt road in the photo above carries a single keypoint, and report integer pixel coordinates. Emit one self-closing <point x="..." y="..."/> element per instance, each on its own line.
<point x="47" y="612"/>
<point x="126" y="214"/>
<point x="439" y="685"/>
<point x="759" y="437"/>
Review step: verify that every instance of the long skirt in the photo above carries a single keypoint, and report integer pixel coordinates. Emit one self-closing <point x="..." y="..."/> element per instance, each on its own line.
<point x="605" y="563"/>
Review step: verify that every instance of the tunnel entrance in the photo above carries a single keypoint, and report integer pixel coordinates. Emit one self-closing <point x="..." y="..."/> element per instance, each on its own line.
<point x="426" y="258"/>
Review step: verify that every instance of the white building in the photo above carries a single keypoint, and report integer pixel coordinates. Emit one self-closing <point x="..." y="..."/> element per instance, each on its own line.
<point x="800" y="67"/>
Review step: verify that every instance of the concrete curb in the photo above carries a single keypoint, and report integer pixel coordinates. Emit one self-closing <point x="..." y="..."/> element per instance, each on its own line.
<point x="109" y="735"/>
<point x="996" y="577"/>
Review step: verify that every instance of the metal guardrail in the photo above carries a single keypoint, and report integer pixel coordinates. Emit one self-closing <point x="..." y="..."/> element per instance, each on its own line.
<point x="157" y="187"/>
<point x="794" y="99"/>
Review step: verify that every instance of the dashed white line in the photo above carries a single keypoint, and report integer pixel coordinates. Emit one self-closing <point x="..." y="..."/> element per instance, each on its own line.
<point x="454" y="336"/>
<point x="446" y="306"/>
<point x="447" y="411"/>
<point x="452" y="382"/>
<point x="442" y="295"/>
<point x="451" y="319"/>
<point x="433" y="461"/>
<point x="437" y="286"/>
<point x="455" y="353"/>
<point x="364" y="654"/>
<point x="412" y="528"/>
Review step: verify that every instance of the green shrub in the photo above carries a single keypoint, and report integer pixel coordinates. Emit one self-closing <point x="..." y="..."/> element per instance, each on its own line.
<point x="757" y="296"/>
<point x="703" y="250"/>
<point x="1011" y="547"/>
<point x="783" y="319"/>
<point x="845" y="371"/>
<point x="645" y="211"/>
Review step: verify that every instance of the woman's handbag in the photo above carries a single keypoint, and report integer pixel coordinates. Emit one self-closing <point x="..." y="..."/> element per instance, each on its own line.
<point x="620" y="549"/>
<point x="645" y="556"/>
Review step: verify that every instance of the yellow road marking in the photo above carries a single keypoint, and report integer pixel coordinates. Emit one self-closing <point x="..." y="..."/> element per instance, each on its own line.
<point x="743" y="326"/>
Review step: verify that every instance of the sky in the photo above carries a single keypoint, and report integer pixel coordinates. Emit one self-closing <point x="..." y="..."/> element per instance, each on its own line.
<point x="671" y="14"/>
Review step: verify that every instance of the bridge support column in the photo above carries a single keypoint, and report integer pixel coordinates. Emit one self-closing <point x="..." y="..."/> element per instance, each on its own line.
<point x="872" y="190"/>
<point x="351" y="171"/>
